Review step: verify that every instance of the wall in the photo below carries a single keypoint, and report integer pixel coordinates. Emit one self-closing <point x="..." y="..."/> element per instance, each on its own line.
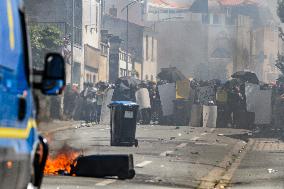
<point x="183" y="44"/>
<point x="59" y="14"/>
<point x="267" y="45"/>
<point x="243" y="49"/>
<point x="117" y="27"/>
<point x="91" y="26"/>
<point x="138" y="68"/>
<point x="135" y="11"/>
<point x="91" y="23"/>
<point x="221" y="36"/>
<point x="149" y="66"/>
<point x="103" y="69"/>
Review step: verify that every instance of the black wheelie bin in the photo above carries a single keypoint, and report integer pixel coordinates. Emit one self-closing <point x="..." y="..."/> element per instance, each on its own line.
<point x="123" y="121"/>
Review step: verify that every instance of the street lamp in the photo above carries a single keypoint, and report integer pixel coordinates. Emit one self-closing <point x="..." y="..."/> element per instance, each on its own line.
<point x="126" y="7"/>
<point x="72" y="43"/>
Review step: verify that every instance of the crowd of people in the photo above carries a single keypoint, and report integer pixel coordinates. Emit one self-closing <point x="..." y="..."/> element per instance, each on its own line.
<point x="85" y="105"/>
<point x="229" y="97"/>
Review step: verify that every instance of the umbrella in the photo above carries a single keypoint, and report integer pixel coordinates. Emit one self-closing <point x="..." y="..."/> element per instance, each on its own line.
<point x="128" y="81"/>
<point x="246" y="76"/>
<point x="171" y="75"/>
<point x="125" y="89"/>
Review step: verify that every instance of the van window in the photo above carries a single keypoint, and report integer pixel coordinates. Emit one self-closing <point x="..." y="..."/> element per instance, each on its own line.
<point x="11" y="41"/>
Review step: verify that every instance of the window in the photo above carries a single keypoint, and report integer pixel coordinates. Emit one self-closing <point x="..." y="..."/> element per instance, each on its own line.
<point x="26" y="53"/>
<point x="205" y="19"/>
<point x="229" y="20"/>
<point x="97" y="16"/>
<point x="153" y="43"/>
<point x="78" y="36"/>
<point x="121" y="72"/>
<point x="94" y="78"/>
<point x="152" y="78"/>
<point x="147" y="49"/>
<point x="215" y="19"/>
<point x="125" y="57"/>
<point x="87" y="77"/>
<point x="147" y="77"/>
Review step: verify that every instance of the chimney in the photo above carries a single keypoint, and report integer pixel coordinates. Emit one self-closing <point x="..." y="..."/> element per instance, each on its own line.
<point x="113" y="11"/>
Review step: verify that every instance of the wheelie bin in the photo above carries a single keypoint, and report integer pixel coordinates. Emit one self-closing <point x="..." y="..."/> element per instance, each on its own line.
<point x="123" y="123"/>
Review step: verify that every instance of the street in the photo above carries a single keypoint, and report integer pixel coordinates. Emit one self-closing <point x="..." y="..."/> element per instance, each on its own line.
<point x="179" y="157"/>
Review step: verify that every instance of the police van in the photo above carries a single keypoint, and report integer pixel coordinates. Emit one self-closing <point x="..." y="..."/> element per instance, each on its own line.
<point x="22" y="151"/>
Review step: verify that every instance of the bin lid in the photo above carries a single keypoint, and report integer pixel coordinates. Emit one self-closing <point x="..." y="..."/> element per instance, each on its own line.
<point x="123" y="103"/>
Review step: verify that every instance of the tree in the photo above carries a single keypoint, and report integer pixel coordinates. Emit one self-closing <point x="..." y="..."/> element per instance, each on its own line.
<point x="280" y="10"/>
<point x="44" y="39"/>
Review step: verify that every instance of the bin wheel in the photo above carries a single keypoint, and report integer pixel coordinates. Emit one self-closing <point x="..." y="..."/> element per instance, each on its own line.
<point x="136" y="143"/>
<point x="131" y="174"/>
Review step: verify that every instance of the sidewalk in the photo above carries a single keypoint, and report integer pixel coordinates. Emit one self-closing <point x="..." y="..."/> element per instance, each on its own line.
<point x="57" y="125"/>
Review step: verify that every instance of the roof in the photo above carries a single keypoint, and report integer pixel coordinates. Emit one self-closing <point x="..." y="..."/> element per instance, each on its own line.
<point x="170" y="4"/>
<point x="239" y="2"/>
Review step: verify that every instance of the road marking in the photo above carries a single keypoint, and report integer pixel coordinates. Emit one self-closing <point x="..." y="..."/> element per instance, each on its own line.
<point x="210" y="144"/>
<point x="166" y="153"/>
<point x="143" y="164"/>
<point x="195" y="138"/>
<point x="106" y="182"/>
<point x="204" y="134"/>
<point x="221" y="175"/>
<point x="227" y="177"/>
<point x="182" y="145"/>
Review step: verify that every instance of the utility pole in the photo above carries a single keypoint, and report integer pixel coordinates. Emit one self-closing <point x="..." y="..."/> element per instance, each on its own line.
<point x="72" y="40"/>
<point x="127" y="28"/>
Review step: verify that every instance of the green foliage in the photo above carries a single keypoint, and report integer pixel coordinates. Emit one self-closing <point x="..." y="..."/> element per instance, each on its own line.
<point x="280" y="10"/>
<point x="44" y="39"/>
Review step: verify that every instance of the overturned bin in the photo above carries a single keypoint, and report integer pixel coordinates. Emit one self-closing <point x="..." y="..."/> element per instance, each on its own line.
<point x="120" y="165"/>
<point x="123" y="123"/>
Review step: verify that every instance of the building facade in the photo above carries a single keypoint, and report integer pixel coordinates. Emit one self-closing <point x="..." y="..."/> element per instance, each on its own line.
<point x="142" y="48"/>
<point x="90" y="55"/>
<point x="59" y="14"/>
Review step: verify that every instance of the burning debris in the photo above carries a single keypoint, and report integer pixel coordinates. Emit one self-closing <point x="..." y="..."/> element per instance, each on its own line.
<point x="62" y="162"/>
<point x="70" y="162"/>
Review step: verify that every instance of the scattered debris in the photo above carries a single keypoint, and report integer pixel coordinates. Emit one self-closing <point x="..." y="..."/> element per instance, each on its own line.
<point x="151" y="181"/>
<point x="162" y="166"/>
<point x="172" y="138"/>
<point x="220" y="134"/>
<point x="270" y="171"/>
<point x="166" y="153"/>
<point x="177" y="128"/>
<point x="195" y="153"/>
<point x="179" y="134"/>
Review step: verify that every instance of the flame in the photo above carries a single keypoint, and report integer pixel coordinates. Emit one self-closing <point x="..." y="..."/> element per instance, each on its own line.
<point x="62" y="161"/>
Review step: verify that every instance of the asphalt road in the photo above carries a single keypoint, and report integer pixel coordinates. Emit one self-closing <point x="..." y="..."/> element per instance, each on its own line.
<point x="179" y="157"/>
